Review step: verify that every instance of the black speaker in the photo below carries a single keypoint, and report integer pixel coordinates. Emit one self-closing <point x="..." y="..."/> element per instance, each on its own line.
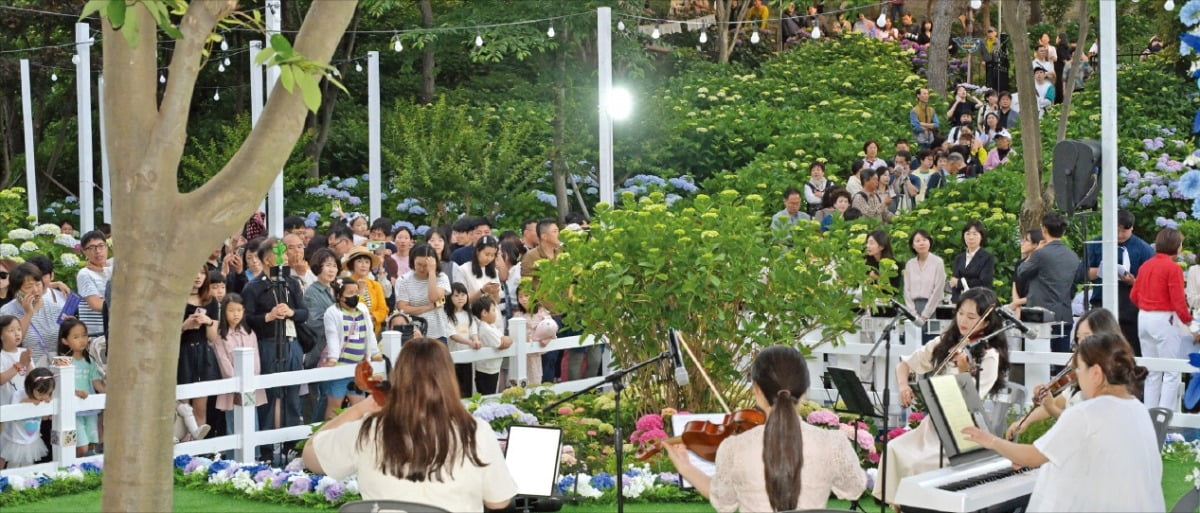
<point x="1076" y="175"/>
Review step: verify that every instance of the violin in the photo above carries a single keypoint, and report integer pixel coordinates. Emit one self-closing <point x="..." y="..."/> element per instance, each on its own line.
<point x="366" y="379"/>
<point x="703" y="437"/>
<point x="972" y="336"/>
<point x="1064" y="379"/>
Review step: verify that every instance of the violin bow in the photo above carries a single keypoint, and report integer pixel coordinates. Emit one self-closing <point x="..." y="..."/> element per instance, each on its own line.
<point x="703" y="373"/>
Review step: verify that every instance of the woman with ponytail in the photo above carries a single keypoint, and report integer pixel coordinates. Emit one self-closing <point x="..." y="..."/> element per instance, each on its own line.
<point x="1102" y="454"/>
<point x="764" y="468"/>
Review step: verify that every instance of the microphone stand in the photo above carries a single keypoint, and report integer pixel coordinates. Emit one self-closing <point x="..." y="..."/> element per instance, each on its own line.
<point x="616" y="379"/>
<point x="884" y="338"/>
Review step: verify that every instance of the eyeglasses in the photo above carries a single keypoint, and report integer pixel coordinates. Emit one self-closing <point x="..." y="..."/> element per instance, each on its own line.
<point x="94" y="247"/>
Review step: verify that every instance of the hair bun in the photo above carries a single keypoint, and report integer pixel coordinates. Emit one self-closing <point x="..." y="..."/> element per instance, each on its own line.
<point x="1138" y="374"/>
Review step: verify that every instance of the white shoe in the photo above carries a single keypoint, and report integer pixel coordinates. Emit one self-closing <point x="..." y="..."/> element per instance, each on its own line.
<point x="201" y="432"/>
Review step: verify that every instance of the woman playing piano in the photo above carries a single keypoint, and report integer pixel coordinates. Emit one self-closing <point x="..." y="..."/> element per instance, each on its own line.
<point x="1092" y="322"/>
<point x="1102" y="454"/>
<point x="785" y="464"/>
<point x="919" y="450"/>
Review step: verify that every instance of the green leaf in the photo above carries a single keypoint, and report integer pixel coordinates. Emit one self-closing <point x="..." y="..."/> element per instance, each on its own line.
<point x="116" y="14"/>
<point x="287" y="77"/>
<point x="310" y="89"/>
<point x="131" y="31"/>
<point x="264" y="55"/>
<point x="92" y="7"/>
<point x="282" y="46"/>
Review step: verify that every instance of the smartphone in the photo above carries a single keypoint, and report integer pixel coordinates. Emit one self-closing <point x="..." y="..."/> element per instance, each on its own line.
<point x="201" y="311"/>
<point x="375" y="245"/>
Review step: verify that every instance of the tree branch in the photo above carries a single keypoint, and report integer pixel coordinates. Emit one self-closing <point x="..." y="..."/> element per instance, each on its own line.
<point x="234" y="192"/>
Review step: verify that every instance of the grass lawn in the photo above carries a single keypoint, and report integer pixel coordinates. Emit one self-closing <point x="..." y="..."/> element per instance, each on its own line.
<point x="195" y="501"/>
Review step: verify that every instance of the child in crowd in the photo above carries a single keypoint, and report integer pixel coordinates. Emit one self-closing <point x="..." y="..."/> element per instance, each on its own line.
<point x="459" y="322"/>
<point x="216" y="287"/>
<point x="233" y="333"/>
<point x="487" y="372"/>
<point x="73" y="342"/>
<point x="349" y="338"/>
<point x="541" y="330"/>
<point x="15" y="361"/>
<point x="21" y="442"/>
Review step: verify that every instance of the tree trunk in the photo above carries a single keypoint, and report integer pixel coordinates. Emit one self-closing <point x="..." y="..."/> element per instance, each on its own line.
<point x="557" y="166"/>
<point x="987" y="15"/>
<point x="726" y="29"/>
<point x="1076" y="59"/>
<point x="939" y="47"/>
<point x="158" y="258"/>
<point x="1031" y="136"/>
<point x="427" y="72"/>
<point x="324" y="118"/>
<point x="1035" y="12"/>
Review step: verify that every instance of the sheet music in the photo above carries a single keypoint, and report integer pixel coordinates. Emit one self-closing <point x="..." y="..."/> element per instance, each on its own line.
<point x="954" y="407"/>
<point x="678" y="422"/>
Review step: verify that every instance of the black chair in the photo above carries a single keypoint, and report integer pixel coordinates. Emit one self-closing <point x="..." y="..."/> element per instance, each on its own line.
<point x="1161" y="418"/>
<point x="1188" y="503"/>
<point x="388" y="507"/>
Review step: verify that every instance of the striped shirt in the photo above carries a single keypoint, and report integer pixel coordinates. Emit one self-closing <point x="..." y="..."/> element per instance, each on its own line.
<point x="415" y="292"/>
<point x="349" y="337"/>
<point x="92" y="283"/>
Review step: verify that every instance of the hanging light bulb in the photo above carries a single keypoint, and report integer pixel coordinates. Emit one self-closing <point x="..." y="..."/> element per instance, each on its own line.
<point x="478" y="40"/>
<point x="75" y="59"/>
<point x="228" y="62"/>
<point x="221" y="68"/>
<point x="656" y="34"/>
<point x="881" y="21"/>
<point x="397" y="46"/>
<point x="54" y="77"/>
<point x="162" y="79"/>
<point x="703" y="37"/>
<point x="621" y="26"/>
<point x="550" y="33"/>
<point x="816" y="33"/>
<point x="358" y="67"/>
<point x="754" y="37"/>
<point x="217" y="96"/>
<point x="976" y="4"/>
<point x="1170" y="5"/>
<point x="224" y="45"/>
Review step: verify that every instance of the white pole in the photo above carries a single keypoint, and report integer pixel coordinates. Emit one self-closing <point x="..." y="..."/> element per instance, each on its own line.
<point x="30" y="152"/>
<point x="256" y="94"/>
<point x="604" y="58"/>
<point x="83" y="95"/>
<point x="373" y="157"/>
<point x="1108" y="141"/>
<point x="244" y="414"/>
<point x="275" y="196"/>
<point x="105" y="190"/>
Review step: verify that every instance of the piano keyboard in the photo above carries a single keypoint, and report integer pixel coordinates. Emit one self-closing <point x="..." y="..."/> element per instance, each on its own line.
<point x="990" y="485"/>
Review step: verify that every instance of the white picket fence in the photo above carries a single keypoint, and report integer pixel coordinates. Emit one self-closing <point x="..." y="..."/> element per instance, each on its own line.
<point x="1036" y="357"/>
<point x="65" y="404"/>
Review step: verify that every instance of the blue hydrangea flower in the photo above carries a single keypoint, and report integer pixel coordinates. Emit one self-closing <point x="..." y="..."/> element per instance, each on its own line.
<point x="592" y="190"/>
<point x="182" y="460"/>
<point x="603" y="481"/>
<point x="349" y="182"/>
<point x="1189" y="184"/>
<point x="355" y="200"/>
<point x="422" y="230"/>
<point x="1181" y="215"/>
<point x="564" y="485"/>
<point x="1190" y="14"/>
<point x="1146" y="199"/>
<point x="546" y="198"/>
<point x="672" y="198"/>
<point x="1196" y="209"/>
<point x="417" y="210"/>
<point x="72" y="199"/>
<point x="405" y="224"/>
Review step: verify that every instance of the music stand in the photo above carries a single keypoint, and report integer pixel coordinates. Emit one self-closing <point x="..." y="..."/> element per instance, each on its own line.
<point x="532" y="454"/>
<point x="851" y="391"/>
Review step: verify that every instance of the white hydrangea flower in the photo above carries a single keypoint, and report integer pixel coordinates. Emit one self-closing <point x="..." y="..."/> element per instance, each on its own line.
<point x="47" y="229"/>
<point x="29" y="246"/>
<point x="69" y="260"/>
<point x="242" y="480"/>
<point x="20" y="234"/>
<point x="66" y="240"/>
<point x="351" y="485"/>
<point x="324" y="483"/>
<point x="8" y="251"/>
<point x="583" y="486"/>
<point x="17" y="483"/>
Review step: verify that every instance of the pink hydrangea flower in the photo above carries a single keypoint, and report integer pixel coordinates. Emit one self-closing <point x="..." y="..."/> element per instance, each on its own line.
<point x="823" y="418"/>
<point x="649" y="422"/>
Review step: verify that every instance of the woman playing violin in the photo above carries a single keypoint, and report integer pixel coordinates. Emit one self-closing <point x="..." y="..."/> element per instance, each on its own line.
<point x="1102" y="455"/>
<point x="1092" y="322"/>
<point x="919" y="450"/>
<point x="421" y="445"/>
<point x="784" y="464"/>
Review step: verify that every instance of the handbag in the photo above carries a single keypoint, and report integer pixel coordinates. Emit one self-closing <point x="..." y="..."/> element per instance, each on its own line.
<point x="305" y="336"/>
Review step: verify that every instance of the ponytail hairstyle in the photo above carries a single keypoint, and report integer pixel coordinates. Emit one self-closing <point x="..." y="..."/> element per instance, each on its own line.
<point x="781" y="374"/>
<point x="40" y="380"/>
<point x="1114" y="356"/>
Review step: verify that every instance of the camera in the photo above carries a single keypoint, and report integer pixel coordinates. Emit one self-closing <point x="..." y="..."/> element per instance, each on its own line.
<point x="279" y="272"/>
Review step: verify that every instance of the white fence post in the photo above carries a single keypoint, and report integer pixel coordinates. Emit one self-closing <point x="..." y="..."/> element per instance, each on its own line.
<point x="517" y="331"/>
<point x="245" y="414"/>
<point x="63" y="436"/>
<point x="1036" y="373"/>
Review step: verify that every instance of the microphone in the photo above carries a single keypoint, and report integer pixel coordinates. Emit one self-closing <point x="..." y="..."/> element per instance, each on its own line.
<point x="1008" y="316"/>
<point x="903" y="310"/>
<point x="681" y="372"/>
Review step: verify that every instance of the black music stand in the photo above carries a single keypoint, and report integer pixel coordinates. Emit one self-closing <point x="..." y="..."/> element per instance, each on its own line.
<point x="850" y="389"/>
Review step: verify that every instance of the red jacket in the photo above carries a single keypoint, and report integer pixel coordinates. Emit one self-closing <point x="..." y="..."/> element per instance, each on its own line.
<point x="1159" y="287"/>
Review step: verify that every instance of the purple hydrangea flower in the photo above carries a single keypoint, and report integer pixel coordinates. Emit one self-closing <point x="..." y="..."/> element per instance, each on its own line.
<point x="334" y="492"/>
<point x="299" y="486"/>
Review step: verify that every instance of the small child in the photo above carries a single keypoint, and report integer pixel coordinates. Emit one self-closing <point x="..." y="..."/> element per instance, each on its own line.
<point x="458" y="317"/>
<point x="487" y="372"/>
<point x="349" y="339"/>
<point x="73" y="342"/>
<point x="216" y="286"/>
<point x="15" y="361"/>
<point x="233" y="333"/>
<point x="21" y="441"/>
<point x="541" y="330"/>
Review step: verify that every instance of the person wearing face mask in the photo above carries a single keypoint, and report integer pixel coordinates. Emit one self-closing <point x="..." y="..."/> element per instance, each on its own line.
<point x="349" y="339"/>
<point x="1102" y="454"/>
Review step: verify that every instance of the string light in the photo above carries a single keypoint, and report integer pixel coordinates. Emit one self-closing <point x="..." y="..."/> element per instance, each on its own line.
<point x="754" y="37"/>
<point x="550" y="33"/>
<point x="397" y="46"/>
<point x="75" y="59"/>
<point x="656" y="34"/>
<point x="162" y="79"/>
<point x="358" y="67"/>
<point x="54" y="77"/>
<point x="976" y="4"/>
<point x="621" y="25"/>
<point x="227" y="61"/>
<point x="217" y="96"/>
<point x="221" y="68"/>
<point x="816" y="33"/>
<point x="881" y="21"/>
<point x="478" y="40"/>
<point x="224" y="45"/>
<point x="1170" y="5"/>
<point x="703" y="37"/>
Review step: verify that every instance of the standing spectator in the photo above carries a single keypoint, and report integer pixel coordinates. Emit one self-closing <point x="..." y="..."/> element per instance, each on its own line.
<point x="904" y="187"/>
<point x="995" y="61"/>
<point x="318" y="297"/>
<point x="989" y="129"/>
<point x="273" y="306"/>
<point x="233" y="333"/>
<point x="924" y="277"/>
<point x="923" y="174"/>
<point x="871" y="158"/>
<point x="341" y="241"/>
<point x="39" y="320"/>
<point x="963" y="104"/>
<point x="91" y="281"/>
<point x="397" y="263"/>
<point x="6" y="290"/>
<point x="423" y="290"/>
<point x="837" y="200"/>
<point x="1042" y="58"/>
<point x="1062" y="50"/>
<point x="197" y="361"/>
<point x="1008" y="118"/>
<point x="480" y="227"/>
<point x="295" y="260"/>
<point x="529" y="235"/>
<point x="547" y="249"/>
<point x="758" y="12"/>
<point x="1050" y="271"/>
<point x="872" y="201"/>
<point x="359" y="263"/>
<point x="923" y="120"/>
<point x="349" y="339"/>
<point x="438" y="241"/>
<point x="1031" y="241"/>
<point x="791" y="214"/>
<point x="1163" y="318"/>
<point x="1044" y="87"/>
<point x="974" y="268"/>
<point x="479" y="275"/>
<point x="879" y="248"/>
<point x="56" y="292"/>
<point x="896" y="10"/>
<point x="1132" y="252"/>
<point x="814" y="190"/>
<point x="485" y="318"/>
